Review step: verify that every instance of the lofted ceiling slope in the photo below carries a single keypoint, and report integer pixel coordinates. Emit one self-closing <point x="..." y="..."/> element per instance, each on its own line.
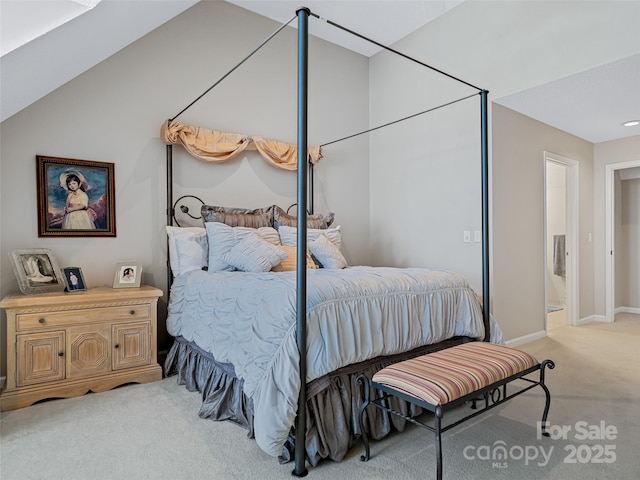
<point x="46" y="43"/>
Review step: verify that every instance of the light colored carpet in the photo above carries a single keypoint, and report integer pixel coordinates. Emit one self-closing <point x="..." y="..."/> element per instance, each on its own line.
<point x="152" y="431"/>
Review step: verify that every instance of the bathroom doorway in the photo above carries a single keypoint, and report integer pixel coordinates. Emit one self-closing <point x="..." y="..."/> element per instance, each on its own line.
<point x="560" y="241"/>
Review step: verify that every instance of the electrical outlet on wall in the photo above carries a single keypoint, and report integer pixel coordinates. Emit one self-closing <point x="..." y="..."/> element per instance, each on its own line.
<point x="477" y="236"/>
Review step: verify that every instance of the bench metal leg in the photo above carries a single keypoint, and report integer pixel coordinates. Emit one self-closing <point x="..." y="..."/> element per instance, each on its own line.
<point x="362" y="380"/>
<point x="547" y="403"/>
<point x="438" y="429"/>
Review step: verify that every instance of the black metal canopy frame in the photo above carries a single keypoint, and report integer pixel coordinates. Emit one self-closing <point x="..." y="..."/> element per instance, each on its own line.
<point x="305" y="197"/>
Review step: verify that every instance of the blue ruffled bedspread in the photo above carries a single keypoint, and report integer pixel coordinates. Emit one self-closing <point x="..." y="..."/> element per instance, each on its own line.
<point x="354" y="314"/>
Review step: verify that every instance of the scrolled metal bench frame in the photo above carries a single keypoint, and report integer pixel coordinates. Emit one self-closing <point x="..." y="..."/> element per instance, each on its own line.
<point x="491" y="394"/>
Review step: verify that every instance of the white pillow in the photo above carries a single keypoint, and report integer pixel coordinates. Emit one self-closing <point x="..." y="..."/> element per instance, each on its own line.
<point x="327" y="253"/>
<point x="254" y="254"/>
<point x="188" y="249"/>
<point x="288" y="235"/>
<point x="222" y="238"/>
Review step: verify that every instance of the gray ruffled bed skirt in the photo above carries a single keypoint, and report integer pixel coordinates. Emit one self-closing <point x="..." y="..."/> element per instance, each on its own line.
<point x="332" y="403"/>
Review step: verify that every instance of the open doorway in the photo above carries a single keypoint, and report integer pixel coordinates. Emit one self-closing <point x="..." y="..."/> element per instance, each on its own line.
<point x="560" y="240"/>
<point x="622" y="233"/>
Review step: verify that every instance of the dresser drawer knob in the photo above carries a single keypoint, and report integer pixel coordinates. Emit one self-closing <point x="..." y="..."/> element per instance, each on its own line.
<point x="117" y="345"/>
<point x="41" y="320"/>
<point x="61" y="354"/>
<point x="132" y="312"/>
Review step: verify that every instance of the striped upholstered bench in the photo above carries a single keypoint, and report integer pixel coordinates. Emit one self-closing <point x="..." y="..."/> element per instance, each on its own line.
<point x="448" y="378"/>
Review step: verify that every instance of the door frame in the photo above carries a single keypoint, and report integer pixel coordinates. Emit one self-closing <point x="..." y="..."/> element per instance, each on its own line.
<point x="571" y="241"/>
<point x="609" y="252"/>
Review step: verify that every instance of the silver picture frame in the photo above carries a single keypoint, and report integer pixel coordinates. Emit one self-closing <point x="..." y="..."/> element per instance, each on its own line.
<point x="37" y="271"/>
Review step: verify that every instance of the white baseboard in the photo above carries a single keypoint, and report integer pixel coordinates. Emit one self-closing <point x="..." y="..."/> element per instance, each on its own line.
<point x="526" y="339"/>
<point x="532" y="337"/>
<point x="603" y="318"/>
<point x="627" y="310"/>
<point x="592" y="318"/>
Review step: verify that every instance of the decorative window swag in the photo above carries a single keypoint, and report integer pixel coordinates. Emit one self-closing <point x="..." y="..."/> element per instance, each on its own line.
<point x="216" y="146"/>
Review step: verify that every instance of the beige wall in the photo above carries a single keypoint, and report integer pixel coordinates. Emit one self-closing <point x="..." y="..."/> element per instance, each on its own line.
<point x="505" y="47"/>
<point x="113" y="113"/>
<point x="425" y="175"/>
<point x="519" y="143"/>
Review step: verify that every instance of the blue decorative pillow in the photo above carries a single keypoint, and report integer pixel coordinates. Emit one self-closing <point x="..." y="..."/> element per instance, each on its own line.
<point x="222" y="238"/>
<point x="254" y="254"/>
<point x="289" y="235"/>
<point x="327" y="253"/>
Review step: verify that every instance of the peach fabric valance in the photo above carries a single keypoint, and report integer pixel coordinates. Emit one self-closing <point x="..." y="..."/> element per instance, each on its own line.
<point x="214" y="146"/>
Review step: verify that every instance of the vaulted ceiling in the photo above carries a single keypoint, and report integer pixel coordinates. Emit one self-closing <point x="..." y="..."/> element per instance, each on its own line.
<point x="46" y="43"/>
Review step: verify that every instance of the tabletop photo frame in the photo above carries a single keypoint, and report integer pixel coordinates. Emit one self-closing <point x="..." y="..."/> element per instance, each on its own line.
<point x="74" y="280"/>
<point x="37" y="271"/>
<point x="76" y="198"/>
<point x="128" y="275"/>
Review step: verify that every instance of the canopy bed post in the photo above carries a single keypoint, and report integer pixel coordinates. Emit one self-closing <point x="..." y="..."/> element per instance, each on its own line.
<point x="484" y="146"/>
<point x="169" y="206"/>
<point x="301" y="251"/>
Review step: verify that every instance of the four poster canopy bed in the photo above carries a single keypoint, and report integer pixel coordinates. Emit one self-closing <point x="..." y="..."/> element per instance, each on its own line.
<point x="275" y="343"/>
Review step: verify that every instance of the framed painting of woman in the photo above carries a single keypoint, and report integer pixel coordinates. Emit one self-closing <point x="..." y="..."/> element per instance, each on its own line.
<point x="76" y="198"/>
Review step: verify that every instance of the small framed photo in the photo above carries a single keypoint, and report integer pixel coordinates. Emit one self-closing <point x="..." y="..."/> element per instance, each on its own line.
<point x="37" y="271"/>
<point x="128" y="275"/>
<point x="74" y="280"/>
<point x="76" y="198"/>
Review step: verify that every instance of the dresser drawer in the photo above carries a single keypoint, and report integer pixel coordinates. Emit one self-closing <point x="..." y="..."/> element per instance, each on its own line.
<point x="37" y="321"/>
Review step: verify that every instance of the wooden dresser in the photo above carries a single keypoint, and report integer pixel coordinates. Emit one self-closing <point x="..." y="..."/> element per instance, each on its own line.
<point x="67" y="344"/>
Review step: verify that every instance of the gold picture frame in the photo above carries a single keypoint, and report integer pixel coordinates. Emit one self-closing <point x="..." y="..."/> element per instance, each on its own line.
<point x="76" y="198"/>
